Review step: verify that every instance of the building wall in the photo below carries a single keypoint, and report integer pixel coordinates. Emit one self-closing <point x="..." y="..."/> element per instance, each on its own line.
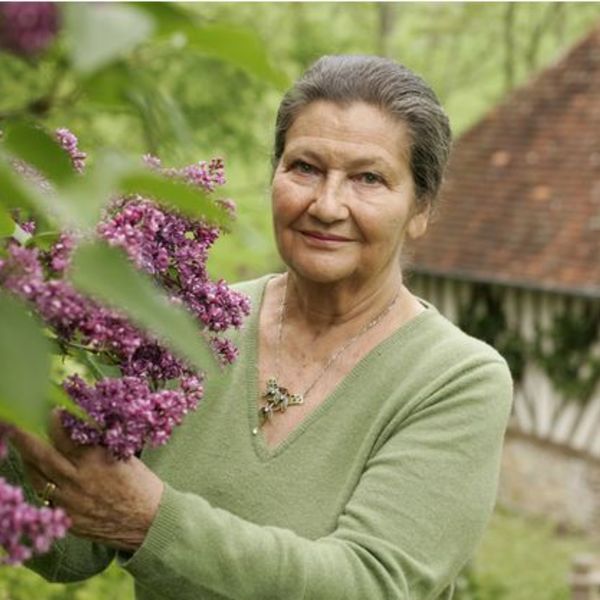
<point x="548" y="480"/>
<point x="539" y="409"/>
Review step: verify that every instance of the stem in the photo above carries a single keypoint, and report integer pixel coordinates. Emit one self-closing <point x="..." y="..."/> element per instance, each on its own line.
<point x="81" y="347"/>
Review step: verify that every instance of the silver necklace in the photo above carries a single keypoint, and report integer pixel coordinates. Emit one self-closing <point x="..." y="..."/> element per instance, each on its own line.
<point x="277" y="398"/>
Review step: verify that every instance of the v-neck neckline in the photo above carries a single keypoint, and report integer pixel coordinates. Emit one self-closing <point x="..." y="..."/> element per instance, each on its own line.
<point x="252" y="348"/>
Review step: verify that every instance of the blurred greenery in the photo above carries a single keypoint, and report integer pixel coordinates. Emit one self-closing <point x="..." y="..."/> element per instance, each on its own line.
<point x="189" y="81"/>
<point x="527" y="558"/>
<point x="17" y="583"/>
<point x="174" y="96"/>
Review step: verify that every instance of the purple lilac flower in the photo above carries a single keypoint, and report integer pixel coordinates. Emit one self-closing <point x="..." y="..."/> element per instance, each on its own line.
<point x="207" y="175"/>
<point x="135" y="228"/>
<point x="154" y="362"/>
<point x="24" y="529"/>
<point x="21" y="272"/>
<point x="29" y="227"/>
<point x="59" y="256"/>
<point x="68" y="312"/>
<point x="70" y="143"/>
<point x="27" y="28"/>
<point x="225" y="349"/>
<point x="175" y="250"/>
<point x="128" y="414"/>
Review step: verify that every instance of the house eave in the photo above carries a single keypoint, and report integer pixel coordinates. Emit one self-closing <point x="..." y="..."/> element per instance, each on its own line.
<point x="591" y="291"/>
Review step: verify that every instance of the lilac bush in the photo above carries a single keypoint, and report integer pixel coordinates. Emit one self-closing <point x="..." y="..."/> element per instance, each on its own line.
<point x="173" y="249"/>
<point x="26" y="530"/>
<point x="149" y="390"/>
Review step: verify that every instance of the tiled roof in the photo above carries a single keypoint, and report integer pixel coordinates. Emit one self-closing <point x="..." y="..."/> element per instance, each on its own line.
<point x="521" y="204"/>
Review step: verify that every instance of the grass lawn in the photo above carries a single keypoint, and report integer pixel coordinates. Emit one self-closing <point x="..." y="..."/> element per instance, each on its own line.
<point x="527" y="559"/>
<point x="518" y="559"/>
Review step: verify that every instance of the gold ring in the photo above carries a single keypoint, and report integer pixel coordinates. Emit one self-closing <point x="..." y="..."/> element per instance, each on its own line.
<point x="47" y="493"/>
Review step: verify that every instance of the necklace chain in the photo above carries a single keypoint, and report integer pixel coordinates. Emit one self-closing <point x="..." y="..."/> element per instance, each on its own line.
<point x="279" y="398"/>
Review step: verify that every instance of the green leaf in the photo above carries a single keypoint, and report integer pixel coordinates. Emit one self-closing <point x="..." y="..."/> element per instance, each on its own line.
<point x="168" y="17"/>
<point x="21" y="235"/>
<point x="100" y="33"/>
<point x="38" y="148"/>
<point x="59" y="398"/>
<point x="24" y="367"/>
<point x="176" y="194"/>
<point x="15" y="192"/>
<point x="238" y="46"/>
<point x="7" y="225"/>
<point x="77" y="204"/>
<point x="173" y="384"/>
<point x="98" y="369"/>
<point x="80" y="202"/>
<point x="106" y="274"/>
<point x="108" y="87"/>
<point x="43" y="240"/>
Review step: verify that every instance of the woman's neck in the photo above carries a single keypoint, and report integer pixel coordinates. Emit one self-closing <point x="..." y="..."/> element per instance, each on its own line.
<point x="323" y="305"/>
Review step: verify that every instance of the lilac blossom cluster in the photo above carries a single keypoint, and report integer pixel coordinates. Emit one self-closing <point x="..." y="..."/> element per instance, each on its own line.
<point x="137" y="408"/>
<point x="127" y="413"/>
<point x="26" y="530"/>
<point x="70" y="143"/>
<point x="28" y="28"/>
<point x="206" y="175"/>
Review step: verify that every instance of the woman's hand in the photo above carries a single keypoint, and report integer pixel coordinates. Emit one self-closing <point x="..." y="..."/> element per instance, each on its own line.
<point x="108" y="500"/>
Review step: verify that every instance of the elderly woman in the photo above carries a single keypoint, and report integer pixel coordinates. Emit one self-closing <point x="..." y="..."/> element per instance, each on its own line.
<point x="353" y="450"/>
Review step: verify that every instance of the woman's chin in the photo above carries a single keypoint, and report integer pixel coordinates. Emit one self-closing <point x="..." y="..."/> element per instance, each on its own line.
<point x="321" y="272"/>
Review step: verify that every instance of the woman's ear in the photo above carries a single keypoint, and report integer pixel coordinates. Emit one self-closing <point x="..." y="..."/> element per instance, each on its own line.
<point x="417" y="225"/>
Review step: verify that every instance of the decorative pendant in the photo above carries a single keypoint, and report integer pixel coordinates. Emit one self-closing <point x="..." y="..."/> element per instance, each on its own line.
<point x="278" y="399"/>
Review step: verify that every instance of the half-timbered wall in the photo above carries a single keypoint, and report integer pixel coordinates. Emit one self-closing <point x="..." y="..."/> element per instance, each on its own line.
<point x="539" y="410"/>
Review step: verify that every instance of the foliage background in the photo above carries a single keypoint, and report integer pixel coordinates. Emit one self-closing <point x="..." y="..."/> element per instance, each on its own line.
<point x="186" y="105"/>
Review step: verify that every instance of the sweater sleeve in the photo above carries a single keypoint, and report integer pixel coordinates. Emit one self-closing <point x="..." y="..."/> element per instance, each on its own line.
<point x="414" y="519"/>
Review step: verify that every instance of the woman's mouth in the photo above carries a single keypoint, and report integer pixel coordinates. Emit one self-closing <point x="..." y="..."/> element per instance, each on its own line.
<point x="324" y="237"/>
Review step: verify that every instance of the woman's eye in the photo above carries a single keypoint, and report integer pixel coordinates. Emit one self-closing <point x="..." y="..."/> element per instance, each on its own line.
<point x="370" y="178"/>
<point x="303" y="167"/>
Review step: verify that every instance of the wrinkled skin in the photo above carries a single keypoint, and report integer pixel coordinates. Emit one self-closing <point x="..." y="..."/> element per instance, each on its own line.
<point x="108" y="500"/>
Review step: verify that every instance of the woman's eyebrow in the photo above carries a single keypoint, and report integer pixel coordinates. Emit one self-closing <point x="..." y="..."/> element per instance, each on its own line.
<point x="305" y="152"/>
<point x="370" y="161"/>
<point x="356" y="163"/>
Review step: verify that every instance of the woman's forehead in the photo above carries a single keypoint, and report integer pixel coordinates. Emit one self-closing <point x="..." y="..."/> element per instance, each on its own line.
<point x="358" y="130"/>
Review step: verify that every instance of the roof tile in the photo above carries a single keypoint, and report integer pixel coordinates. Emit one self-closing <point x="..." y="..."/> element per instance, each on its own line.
<point x="521" y="203"/>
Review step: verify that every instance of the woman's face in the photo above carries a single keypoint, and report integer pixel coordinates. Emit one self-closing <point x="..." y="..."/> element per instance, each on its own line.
<point x="343" y="193"/>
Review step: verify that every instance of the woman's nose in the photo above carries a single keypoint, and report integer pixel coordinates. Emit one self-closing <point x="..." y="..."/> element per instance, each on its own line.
<point x="329" y="202"/>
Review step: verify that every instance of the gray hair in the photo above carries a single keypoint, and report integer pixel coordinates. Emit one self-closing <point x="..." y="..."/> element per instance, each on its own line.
<point x="389" y="86"/>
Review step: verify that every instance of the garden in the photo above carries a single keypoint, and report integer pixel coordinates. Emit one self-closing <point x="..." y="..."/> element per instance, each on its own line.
<point x="134" y="188"/>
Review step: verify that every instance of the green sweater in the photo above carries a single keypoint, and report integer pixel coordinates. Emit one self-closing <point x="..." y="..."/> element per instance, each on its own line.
<point x="382" y="493"/>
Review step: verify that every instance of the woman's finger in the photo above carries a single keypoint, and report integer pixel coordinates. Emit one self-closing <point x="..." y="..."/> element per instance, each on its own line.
<point x="61" y="440"/>
<point x="41" y="455"/>
<point x="45" y="489"/>
<point x="35" y="477"/>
